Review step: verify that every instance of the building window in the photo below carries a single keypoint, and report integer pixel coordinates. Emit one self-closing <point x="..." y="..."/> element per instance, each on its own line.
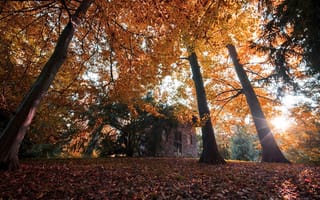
<point x="178" y="142"/>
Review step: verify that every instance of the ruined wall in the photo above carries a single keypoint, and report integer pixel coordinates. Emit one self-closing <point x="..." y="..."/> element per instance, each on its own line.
<point x="179" y="142"/>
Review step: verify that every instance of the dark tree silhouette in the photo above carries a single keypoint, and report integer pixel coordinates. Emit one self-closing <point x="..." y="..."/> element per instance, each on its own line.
<point x="210" y="153"/>
<point x="12" y="136"/>
<point x="270" y="149"/>
<point x="296" y="22"/>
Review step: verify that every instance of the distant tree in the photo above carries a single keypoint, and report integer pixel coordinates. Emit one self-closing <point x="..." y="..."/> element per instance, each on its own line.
<point x="242" y="146"/>
<point x="138" y="128"/>
<point x="130" y="123"/>
<point x="301" y="142"/>
<point x="108" y="146"/>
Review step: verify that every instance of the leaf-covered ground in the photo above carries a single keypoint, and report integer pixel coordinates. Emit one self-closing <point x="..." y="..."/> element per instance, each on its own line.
<point x="158" y="178"/>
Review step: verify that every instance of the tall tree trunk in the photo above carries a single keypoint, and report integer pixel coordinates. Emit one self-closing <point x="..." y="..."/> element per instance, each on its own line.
<point x="12" y="136"/>
<point x="210" y="153"/>
<point x="270" y="149"/>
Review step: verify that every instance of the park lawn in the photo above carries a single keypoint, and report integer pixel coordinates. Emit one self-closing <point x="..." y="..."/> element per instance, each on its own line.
<point x="158" y="178"/>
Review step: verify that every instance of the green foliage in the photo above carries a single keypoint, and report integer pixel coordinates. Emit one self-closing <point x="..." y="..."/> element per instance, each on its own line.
<point x="292" y="30"/>
<point x="42" y="151"/>
<point x="32" y="149"/>
<point x="138" y="129"/>
<point x="242" y="146"/>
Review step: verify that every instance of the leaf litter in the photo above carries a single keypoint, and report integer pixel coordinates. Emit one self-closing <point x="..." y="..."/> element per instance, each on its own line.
<point x="158" y="178"/>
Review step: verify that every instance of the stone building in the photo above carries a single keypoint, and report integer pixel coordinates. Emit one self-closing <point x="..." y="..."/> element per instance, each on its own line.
<point x="180" y="141"/>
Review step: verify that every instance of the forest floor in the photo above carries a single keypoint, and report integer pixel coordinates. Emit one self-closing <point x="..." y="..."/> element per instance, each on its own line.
<point x="158" y="178"/>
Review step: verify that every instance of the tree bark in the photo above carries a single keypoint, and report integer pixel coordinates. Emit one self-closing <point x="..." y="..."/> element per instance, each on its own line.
<point x="270" y="149"/>
<point x="210" y="153"/>
<point x="13" y="134"/>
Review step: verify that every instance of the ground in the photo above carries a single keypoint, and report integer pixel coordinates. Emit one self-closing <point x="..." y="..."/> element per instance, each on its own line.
<point x="158" y="178"/>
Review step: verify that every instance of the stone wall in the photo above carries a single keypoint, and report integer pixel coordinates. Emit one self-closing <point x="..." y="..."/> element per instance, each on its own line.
<point x="179" y="142"/>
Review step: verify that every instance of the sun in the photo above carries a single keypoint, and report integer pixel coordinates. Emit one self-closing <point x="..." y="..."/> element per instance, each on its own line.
<point x="281" y="123"/>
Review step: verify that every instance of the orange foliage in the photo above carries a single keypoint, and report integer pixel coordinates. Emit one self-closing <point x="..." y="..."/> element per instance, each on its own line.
<point x="125" y="48"/>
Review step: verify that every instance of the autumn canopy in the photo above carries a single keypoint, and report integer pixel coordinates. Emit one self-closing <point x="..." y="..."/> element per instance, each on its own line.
<point x="70" y="68"/>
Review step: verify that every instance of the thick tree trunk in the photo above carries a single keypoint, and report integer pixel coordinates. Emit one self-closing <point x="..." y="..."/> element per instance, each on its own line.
<point x="12" y="136"/>
<point x="270" y="149"/>
<point x="210" y="153"/>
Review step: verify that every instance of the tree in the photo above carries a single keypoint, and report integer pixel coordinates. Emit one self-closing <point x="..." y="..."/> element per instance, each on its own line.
<point x="129" y="122"/>
<point x="135" y="126"/>
<point x="291" y="30"/>
<point x="12" y="136"/>
<point x="207" y="29"/>
<point x="270" y="149"/>
<point x="210" y="153"/>
<point x="112" y="30"/>
<point x="242" y="146"/>
<point x="301" y="140"/>
<point x="197" y="24"/>
<point x="120" y="45"/>
<point x="200" y="28"/>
